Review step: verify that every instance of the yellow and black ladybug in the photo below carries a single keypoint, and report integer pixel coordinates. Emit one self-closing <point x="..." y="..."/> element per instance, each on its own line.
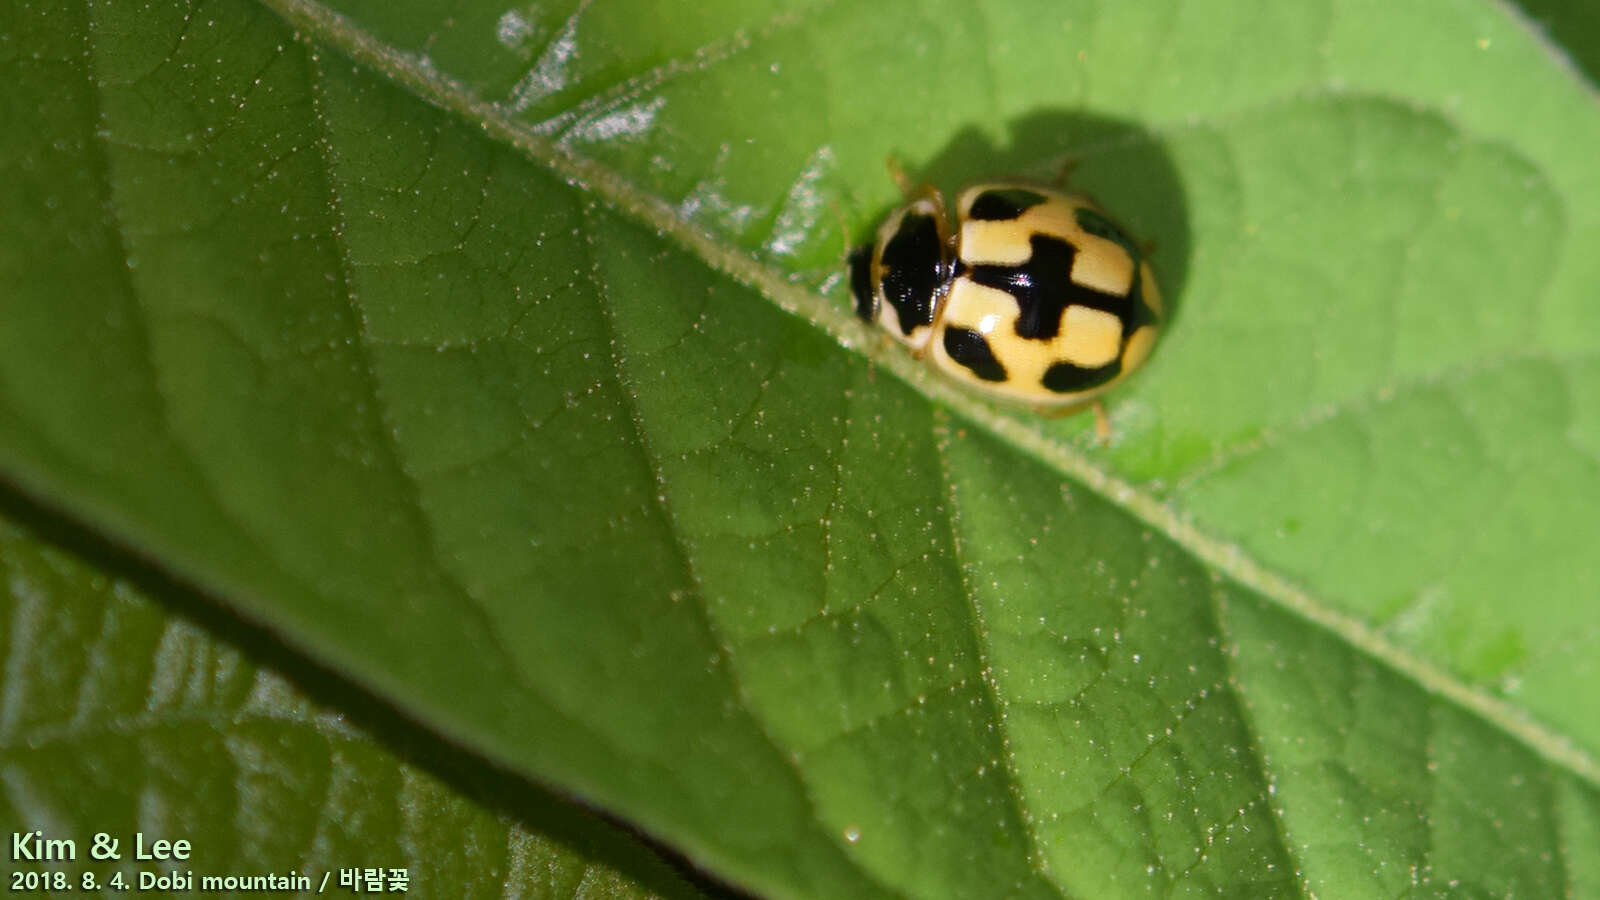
<point x="1036" y="297"/>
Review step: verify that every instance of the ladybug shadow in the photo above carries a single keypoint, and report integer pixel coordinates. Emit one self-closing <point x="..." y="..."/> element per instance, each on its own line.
<point x="1127" y="169"/>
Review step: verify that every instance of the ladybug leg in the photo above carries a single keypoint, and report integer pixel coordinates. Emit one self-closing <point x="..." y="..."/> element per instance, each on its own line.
<point x="844" y="226"/>
<point x="1059" y="182"/>
<point x="1102" y="422"/>
<point x="910" y="189"/>
<point x="897" y="172"/>
<point x="1065" y="172"/>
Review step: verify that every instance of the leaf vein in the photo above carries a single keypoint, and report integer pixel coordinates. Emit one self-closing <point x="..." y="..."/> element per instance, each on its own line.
<point x="325" y="24"/>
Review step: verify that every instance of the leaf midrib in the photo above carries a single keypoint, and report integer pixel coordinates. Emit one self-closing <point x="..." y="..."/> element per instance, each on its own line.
<point x="322" y="24"/>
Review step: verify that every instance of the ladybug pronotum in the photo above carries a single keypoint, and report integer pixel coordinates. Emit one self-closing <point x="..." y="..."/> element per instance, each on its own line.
<point x="1036" y="297"/>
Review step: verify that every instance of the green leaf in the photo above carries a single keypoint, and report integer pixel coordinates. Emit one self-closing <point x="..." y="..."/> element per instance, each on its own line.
<point x="497" y="360"/>
<point x="121" y="717"/>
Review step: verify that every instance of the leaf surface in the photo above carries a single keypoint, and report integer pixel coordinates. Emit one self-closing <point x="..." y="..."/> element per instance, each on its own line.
<point x="122" y="717"/>
<point x="498" y="360"/>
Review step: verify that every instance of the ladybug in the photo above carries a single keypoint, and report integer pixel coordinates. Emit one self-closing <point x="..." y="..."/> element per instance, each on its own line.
<point x="1035" y="297"/>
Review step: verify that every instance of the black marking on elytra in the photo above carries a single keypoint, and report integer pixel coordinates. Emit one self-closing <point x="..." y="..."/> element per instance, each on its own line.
<point x="1066" y="378"/>
<point x="1043" y="288"/>
<point x="1004" y="204"/>
<point x="1095" y="222"/>
<point x="913" y="267"/>
<point x="861" y="283"/>
<point x="971" y="349"/>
